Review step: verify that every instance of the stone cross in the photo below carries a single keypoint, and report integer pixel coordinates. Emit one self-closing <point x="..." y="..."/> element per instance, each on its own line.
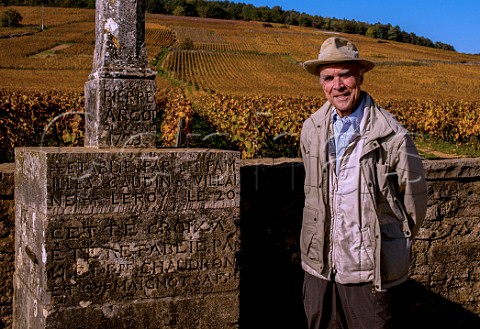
<point x="120" y="92"/>
<point x="120" y="234"/>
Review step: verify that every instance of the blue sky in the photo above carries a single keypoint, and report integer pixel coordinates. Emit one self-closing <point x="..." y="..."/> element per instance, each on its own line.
<point x="454" y="22"/>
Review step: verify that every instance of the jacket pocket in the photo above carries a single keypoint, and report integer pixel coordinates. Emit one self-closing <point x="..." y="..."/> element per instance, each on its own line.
<point x="395" y="252"/>
<point x="366" y="253"/>
<point x="389" y="206"/>
<point x="313" y="168"/>
<point x="311" y="236"/>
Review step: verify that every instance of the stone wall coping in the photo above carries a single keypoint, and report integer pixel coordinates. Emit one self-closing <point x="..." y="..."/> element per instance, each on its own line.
<point x="270" y="161"/>
<point x="435" y="169"/>
<point x="7" y="168"/>
<point x="7" y="172"/>
<point x="438" y="169"/>
<point x="133" y="150"/>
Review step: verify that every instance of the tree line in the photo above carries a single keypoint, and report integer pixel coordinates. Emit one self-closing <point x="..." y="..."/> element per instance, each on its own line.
<point x="248" y="12"/>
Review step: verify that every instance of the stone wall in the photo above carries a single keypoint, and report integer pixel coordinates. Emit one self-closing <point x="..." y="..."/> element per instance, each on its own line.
<point x="444" y="289"/>
<point x="7" y="225"/>
<point x="447" y="250"/>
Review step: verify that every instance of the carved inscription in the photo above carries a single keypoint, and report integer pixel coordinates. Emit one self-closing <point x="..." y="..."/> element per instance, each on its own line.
<point x="128" y="111"/>
<point x="120" y="113"/>
<point x="141" y="224"/>
<point x="128" y="256"/>
<point x="132" y="183"/>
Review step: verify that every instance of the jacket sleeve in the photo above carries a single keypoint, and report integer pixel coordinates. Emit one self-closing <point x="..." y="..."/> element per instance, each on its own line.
<point x="305" y="140"/>
<point x="411" y="182"/>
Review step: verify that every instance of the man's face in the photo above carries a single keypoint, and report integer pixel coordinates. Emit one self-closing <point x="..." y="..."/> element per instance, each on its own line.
<point x="341" y="84"/>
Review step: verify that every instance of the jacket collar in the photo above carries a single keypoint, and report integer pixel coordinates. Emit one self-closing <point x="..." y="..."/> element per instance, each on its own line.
<point x="377" y="125"/>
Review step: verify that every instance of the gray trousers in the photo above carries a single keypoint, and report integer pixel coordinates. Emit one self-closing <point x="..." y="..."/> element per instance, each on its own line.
<point x="329" y="305"/>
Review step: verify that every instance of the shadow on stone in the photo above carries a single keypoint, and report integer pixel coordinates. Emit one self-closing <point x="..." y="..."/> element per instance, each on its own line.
<point x="425" y="309"/>
<point x="271" y="276"/>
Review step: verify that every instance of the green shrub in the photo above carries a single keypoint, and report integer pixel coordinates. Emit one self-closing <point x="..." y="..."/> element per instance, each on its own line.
<point x="10" y="18"/>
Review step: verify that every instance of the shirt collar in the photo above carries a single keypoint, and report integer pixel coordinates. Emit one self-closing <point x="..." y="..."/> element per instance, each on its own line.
<point x="355" y="117"/>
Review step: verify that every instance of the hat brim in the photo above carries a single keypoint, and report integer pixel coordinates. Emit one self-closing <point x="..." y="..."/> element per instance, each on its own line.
<point x="312" y="66"/>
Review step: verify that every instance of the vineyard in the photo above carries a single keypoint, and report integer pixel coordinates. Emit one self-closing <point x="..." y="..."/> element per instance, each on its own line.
<point x="241" y="82"/>
<point x="258" y="126"/>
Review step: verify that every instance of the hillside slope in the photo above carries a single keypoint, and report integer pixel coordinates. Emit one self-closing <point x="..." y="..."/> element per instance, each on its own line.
<point x="229" y="57"/>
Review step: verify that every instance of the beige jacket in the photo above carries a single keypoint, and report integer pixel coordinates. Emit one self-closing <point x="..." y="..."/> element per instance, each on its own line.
<point x="391" y="191"/>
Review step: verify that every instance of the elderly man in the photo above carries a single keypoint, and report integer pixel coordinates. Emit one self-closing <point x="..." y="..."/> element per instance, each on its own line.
<point x="365" y="198"/>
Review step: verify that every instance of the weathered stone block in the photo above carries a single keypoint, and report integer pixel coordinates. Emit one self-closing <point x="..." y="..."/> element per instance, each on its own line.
<point x="469" y="194"/>
<point x="120" y="113"/>
<point x="7" y="222"/>
<point x="6" y="277"/>
<point x="450" y="169"/>
<point x="120" y="49"/>
<point x="7" y="184"/>
<point x="451" y="254"/>
<point x="126" y="238"/>
<point x="448" y="191"/>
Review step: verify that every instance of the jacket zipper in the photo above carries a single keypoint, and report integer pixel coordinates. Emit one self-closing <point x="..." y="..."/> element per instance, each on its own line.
<point x="334" y="222"/>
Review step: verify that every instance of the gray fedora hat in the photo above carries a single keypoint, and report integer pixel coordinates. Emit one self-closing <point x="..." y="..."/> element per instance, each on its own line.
<point x="336" y="50"/>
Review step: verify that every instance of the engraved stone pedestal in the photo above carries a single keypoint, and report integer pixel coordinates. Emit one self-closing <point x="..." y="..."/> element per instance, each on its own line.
<point x="137" y="238"/>
<point x="120" y="113"/>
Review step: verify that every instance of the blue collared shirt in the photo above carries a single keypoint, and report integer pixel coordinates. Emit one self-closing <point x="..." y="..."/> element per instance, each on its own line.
<point x="345" y="130"/>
